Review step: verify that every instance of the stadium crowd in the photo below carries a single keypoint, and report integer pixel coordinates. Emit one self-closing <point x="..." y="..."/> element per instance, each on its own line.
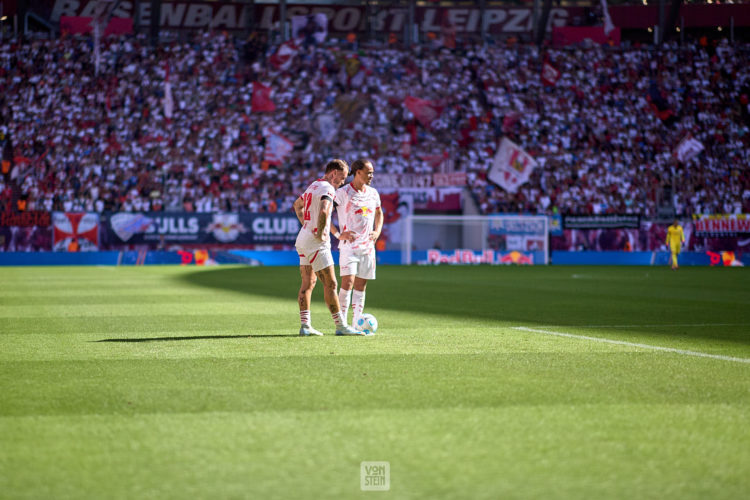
<point x="603" y="134"/>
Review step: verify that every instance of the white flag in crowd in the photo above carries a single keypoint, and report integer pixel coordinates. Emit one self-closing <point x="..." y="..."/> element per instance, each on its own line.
<point x="283" y="57"/>
<point x="688" y="148"/>
<point x="511" y="167"/>
<point x="168" y="100"/>
<point x="608" y="25"/>
<point x="327" y="126"/>
<point x="278" y="147"/>
<point x="550" y="74"/>
<point x="310" y="26"/>
<point x="102" y="12"/>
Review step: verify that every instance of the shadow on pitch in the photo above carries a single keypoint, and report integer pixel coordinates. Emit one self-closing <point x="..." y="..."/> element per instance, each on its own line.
<point x="524" y="296"/>
<point x="199" y="337"/>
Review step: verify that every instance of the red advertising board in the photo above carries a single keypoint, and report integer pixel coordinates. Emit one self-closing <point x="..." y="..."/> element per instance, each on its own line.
<point x="82" y="25"/>
<point x="567" y="35"/>
<point x="25" y="219"/>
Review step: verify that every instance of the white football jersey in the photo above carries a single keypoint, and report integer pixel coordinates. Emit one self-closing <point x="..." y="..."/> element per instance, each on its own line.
<point x="311" y="199"/>
<point x="356" y="213"/>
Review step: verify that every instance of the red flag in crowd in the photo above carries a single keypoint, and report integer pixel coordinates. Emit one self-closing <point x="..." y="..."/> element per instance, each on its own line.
<point x="82" y="227"/>
<point x="434" y="160"/>
<point x="261" y="99"/>
<point x="425" y="111"/>
<point x="550" y="74"/>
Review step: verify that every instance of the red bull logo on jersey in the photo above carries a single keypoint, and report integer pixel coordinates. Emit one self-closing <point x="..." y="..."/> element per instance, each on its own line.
<point x="363" y="211"/>
<point x="462" y="256"/>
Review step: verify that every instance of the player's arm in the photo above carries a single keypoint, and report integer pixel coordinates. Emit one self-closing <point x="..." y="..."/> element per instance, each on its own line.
<point x="325" y="214"/>
<point x="335" y="231"/>
<point x="299" y="207"/>
<point x="338" y="201"/>
<point x="378" y="226"/>
<point x="682" y="235"/>
<point x="341" y="235"/>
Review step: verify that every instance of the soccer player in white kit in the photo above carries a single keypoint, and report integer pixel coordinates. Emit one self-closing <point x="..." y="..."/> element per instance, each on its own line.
<point x="361" y="221"/>
<point x="313" y="245"/>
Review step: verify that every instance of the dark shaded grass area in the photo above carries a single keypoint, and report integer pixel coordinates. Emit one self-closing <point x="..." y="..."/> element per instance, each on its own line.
<point x="566" y="296"/>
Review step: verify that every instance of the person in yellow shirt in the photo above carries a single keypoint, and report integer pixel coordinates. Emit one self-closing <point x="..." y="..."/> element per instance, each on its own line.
<point x="675" y="239"/>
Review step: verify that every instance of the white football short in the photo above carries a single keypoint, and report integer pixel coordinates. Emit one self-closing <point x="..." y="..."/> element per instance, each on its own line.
<point x="318" y="256"/>
<point x="361" y="265"/>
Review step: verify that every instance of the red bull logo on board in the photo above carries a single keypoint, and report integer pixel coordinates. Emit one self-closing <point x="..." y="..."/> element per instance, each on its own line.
<point x="463" y="256"/>
<point x="728" y="259"/>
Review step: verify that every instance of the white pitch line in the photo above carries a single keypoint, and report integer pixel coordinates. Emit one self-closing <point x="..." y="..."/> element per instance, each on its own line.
<point x="634" y="344"/>
<point x="684" y="325"/>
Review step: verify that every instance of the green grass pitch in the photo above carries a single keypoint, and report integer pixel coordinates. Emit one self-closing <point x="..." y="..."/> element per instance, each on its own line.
<point x="177" y="382"/>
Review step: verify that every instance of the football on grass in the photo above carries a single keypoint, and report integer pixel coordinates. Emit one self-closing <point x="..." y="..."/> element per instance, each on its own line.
<point x="367" y="323"/>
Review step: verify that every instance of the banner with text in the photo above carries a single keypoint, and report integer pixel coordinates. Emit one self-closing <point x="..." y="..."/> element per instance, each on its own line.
<point x="721" y="224"/>
<point x="601" y="221"/>
<point x="430" y="199"/>
<point x="201" y="15"/>
<point x="205" y="228"/>
<point x="25" y="231"/>
<point x="396" y="181"/>
<point x="473" y="257"/>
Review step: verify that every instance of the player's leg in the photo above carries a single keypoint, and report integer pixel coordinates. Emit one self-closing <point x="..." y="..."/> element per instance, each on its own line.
<point x="322" y="262"/>
<point x="365" y="272"/>
<point x="304" y="296"/>
<point x="348" y="268"/>
<point x="358" y="298"/>
<point x="345" y="294"/>
<point x="328" y="276"/>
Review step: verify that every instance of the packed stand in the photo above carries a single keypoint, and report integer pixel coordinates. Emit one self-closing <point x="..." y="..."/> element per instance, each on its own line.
<point x="82" y="141"/>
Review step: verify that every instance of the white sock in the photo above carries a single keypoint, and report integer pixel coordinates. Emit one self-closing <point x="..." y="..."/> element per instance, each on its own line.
<point x="338" y="318"/>
<point x="344" y="298"/>
<point x="304" y="318"/>
<point x="358" y="305"/>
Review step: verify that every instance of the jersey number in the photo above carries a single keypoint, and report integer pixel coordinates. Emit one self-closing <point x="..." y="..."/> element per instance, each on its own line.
<point x="307" y="198"/>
